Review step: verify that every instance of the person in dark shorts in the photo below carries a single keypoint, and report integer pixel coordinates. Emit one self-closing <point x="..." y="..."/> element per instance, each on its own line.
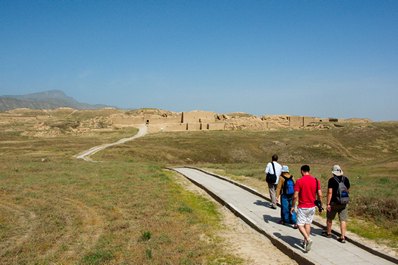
<point x="333" y="206"/>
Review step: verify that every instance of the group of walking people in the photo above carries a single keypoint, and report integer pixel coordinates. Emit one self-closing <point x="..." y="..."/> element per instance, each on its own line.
<point x="299" y="199"/>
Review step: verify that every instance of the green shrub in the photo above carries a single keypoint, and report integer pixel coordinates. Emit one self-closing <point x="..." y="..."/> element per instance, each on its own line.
<point x="145" y="236"/>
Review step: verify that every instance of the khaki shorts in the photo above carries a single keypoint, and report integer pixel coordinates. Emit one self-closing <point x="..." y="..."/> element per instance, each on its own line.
<point x="337" y="209"/>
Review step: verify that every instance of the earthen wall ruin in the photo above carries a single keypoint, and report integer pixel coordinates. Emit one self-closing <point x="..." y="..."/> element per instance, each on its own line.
<point x="205" y="121"/>
<point x="198" y="116"/>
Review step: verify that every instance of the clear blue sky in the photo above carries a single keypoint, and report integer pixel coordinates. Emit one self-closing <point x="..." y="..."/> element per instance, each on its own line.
<point x="316" y="58"/>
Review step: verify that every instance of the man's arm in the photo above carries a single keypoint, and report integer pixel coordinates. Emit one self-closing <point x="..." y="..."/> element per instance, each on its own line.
<point x="329" y="198"/>
<point x="319" y="191"/>
<point x="278" y="188"/>
<point x="320" y="194"/>
<point x="295" y="199"/>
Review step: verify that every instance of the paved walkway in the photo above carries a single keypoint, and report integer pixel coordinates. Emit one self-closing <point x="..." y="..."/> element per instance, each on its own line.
<point x="255" y="210"/>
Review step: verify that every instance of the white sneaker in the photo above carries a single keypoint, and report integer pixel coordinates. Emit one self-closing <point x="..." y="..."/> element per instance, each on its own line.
<point x="308" y="245"/>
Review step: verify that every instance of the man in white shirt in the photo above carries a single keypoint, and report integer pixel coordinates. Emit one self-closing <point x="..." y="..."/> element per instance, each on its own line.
<point x="272" y="186"/>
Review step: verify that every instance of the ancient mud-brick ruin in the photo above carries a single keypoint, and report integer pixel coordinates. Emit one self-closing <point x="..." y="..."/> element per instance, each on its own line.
<point x="61" y="121"/>
<point x="162" y="121"/>
<point x="168" y="121"/>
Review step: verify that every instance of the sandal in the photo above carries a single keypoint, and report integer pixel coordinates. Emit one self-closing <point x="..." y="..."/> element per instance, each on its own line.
<point x="341" y="240"/>
<point x="326" y="234"/>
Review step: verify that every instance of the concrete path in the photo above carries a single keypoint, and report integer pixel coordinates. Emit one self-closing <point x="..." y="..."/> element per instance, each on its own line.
<point x="255" y="210"/>
<point x="85" y="155"/>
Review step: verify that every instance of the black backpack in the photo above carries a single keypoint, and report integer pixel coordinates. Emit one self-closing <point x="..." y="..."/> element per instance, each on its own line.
<point x="271" y="178"/>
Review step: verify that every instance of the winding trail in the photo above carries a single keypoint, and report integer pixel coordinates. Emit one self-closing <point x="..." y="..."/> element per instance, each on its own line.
<point x="85" y="155"/>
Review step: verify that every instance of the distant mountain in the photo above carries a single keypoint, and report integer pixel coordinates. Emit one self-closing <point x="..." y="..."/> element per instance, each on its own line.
<point x="43" y="100"/>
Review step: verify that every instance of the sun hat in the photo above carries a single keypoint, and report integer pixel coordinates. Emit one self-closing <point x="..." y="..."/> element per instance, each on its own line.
<point x="336" y="170"/>
<point x="285" y="169"/>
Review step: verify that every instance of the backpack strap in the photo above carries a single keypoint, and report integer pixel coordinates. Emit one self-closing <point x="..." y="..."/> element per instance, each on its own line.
<point x="273" y="167"/>
<point x="291" y="176"/>
<point x="337" y="179"/>
<point x="284" y="183"/>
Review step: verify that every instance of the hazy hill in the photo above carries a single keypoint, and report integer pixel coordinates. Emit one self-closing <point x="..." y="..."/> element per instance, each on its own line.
<point x="43" y="100"/>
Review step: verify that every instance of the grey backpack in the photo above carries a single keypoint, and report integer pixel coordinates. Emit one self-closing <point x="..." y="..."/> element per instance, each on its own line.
<point x="342" y="193"/>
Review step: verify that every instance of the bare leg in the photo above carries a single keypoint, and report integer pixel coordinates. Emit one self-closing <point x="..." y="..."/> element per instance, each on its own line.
<point x="303" y="231"/>
<point x="308" y="230"/>
<point x="329" y="226"/>
<point x="343" y="228"/>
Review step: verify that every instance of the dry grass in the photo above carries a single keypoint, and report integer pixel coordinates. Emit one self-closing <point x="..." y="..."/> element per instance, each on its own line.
<point x="368" y="154"/>
<point x="59" y="210"/>
<point x="128" y="210"/>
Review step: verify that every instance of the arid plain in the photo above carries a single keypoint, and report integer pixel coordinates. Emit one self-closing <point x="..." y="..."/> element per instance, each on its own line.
<point x="127" y="209"/>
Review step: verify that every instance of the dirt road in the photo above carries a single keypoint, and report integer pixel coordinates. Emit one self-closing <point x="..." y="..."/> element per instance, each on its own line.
<point x="85" y="155"/>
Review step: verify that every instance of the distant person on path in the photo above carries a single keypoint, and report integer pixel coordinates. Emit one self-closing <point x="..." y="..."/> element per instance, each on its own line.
<point x="285" y="189"/>
<point x="337" y="202"/>
<point x="305" y="191"/>
<point x="272" y="171"/>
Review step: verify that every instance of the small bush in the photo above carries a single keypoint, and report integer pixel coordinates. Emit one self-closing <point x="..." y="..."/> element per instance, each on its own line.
<point x="375" y="208"/>
<point x="145" y="236"/>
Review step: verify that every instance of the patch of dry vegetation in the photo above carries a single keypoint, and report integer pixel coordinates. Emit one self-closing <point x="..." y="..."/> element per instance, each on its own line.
<point x="55" y="209"/>
<point x="368" y="154"/>
<point x="127" y="210"/>
<point x="58" y="122"/>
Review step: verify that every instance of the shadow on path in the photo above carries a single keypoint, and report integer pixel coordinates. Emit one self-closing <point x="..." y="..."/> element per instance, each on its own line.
<point x="268" y="218"/>
<point x="294" y="242"/>
<point x="263" y="203"/>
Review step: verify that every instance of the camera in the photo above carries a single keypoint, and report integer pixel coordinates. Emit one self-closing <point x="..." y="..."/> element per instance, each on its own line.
<point x="318" y="204"/>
